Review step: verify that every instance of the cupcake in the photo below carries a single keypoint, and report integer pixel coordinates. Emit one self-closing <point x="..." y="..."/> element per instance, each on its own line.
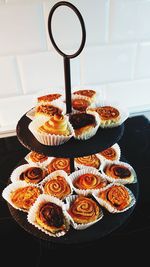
<point x="34" y="157"/>
<point x="57" y="184"/>
<point x="59" y="164"/>
<point x="118" y="171"/>
<point x="90" y="95"/>
<point x="55" y="131"/>
<point x="47" y="99"/>
<point x="115" y="198"/>
<point x="29" y="174"/>
<point x="20" y="195"/>
<point x="111" y="153"/>
<point x="47" y="111"/>
<point x="88" y="180"/>
<point x="90" y="161"/>
<point x="47" y="215"/>
<point x="84" y="125"/>
<point x="80" y="104"/>
<point x="83" y="211"/>
<point x="109" y="116"/>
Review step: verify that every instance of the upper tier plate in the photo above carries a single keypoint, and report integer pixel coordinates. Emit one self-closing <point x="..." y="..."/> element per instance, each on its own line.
<point x="103" y="139"/>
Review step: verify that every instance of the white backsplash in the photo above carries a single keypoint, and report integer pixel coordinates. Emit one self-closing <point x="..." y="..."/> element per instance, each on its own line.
<point x="116" y="57"/>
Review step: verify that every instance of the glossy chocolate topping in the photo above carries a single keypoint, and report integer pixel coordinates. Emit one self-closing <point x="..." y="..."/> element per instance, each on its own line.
<point x="52" y="214"/>
<point x="81" y="119"/>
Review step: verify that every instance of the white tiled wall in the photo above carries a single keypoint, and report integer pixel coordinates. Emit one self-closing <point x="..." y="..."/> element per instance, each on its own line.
<point x="116" y="57"/>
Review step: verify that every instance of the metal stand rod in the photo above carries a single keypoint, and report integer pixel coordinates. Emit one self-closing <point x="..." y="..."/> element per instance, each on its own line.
<point x="72" y="165"/>
<point x="67" y="78"/>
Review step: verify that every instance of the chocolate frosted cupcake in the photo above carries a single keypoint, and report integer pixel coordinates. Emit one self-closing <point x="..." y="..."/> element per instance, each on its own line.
<point x="85" y="125"/>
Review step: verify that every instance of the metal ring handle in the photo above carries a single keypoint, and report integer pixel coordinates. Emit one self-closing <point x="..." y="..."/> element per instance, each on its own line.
<point x="64" y="3"/>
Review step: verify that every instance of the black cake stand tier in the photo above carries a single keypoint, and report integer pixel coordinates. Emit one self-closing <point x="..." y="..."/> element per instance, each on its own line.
<point x="103" y="139"/>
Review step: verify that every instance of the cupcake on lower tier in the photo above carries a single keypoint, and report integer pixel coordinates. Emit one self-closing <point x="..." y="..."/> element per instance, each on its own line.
<point x="111" y="153"/>
<point x="118" y="171"/>
<point x="29" y="174"/>
<point x="57" y="184"/>
<point x="115" y="198"/>
<point x="37" y="158"/>
<point x="82" y="211"/>
<point x="20" y="195"/>
<point x="59" y="164"/>
<point x="87" y="180"/>
<point x="84" y="125"/>
<point x="48" y="216"/>
<point x="55" y="131"/>
<point x="88" y="161"/>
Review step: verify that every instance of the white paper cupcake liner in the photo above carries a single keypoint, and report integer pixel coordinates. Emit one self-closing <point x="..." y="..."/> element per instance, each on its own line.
<point x="75" y="225"/>
<point x="78" y="173"/>
<point x="13" y="187"/>
<point x="99" y="93"/>
<point x="88" y="134"/>
<point x="38" y="164"/>
<point x="132" y="179"/>
<point x="42" y="199"/>
<point x="16" y="172"/>
<point x="82" y="166"/>
<point x="108" y="206"/>
<point x="53" y="175"/>
<point x="124" y="114"/>
<point x="118" y="153"/>
<point x="49" y="139"/>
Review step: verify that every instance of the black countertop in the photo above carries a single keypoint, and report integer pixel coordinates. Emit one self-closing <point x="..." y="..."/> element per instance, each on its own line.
<point x="127" y="240"/>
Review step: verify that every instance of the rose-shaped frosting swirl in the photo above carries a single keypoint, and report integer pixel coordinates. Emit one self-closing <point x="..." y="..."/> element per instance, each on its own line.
<point x="57" y="124"/>
<point x="117" y="171"/>
<point x="117" y="196"/>
<point x="91" y="160"/>
<point x="109" y="153"/>
<point x="36" y="157"/>
<point x="24" y="197"/>
<point x="107" y="112"/>
<point x="59" y="164"/>
<point x="33" y="175"/>
<point x="84" y="210"/>
<point x="89" y="181"/>
<point x="57" y="187"/>
<point x="48" y="109"/>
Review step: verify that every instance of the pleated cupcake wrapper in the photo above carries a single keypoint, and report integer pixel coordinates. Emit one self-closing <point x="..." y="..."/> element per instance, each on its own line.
<point x="53" y="175"/>
<point x="78" y="173"/>
<point x="124" y="114"/>
<point x="82" y="166"/>
<point x="42" y="199"/>
<point x="38" y="164"/>
<point x="75" y="225"/>
<point x="118" y="154"/>
<point x="129" y="180"/>
<point x="13" y="187"/>
<point x="49" y="139"/>
<point x="99" y="95"/>
<point x="88" y="134"/>
<point x="108" y="206"/>
<point x="16" y="172"/>
<point x="56" y="102"/>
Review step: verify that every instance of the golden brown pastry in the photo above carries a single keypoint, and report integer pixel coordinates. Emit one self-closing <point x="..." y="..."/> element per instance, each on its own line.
<point x="59" y="164"/>
<point x="117" y="196"/>
<point x="80" y="104"/>
<point x="91" y="160"/>
<point x="33" y="175"/>
<point x="89" y="181"/>
<point x="82" y="122"/>
<point x="57" y="125"/>
<point x="51" y="218"/>
<point x="48" y="98"/>
<point x="87" y="93"/>
<point x="24" y="197"/>
<point x="117" y="171"/>
<point x="57" y="187"/>
<point x="108" y="115"/>
<point x="109" y="153"/>
<point x="84" y="210"/>
<point x="36" y="157"/>
<point x="47" y="110"/>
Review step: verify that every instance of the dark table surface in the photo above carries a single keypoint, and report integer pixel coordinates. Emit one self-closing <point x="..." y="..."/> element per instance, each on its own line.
<point x="129" y="241"/>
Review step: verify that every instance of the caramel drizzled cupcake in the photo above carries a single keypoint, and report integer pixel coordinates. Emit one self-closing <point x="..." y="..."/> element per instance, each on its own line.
<point x="90" y="95"/>
<point x="118" y="171"/>
<point x="109" y="116"/>
<point x="47" y="111"/>
<point x="111" y="153"/>
<point x="20" y="195"/>
<point x="80" y="104"/>
<point x="59" y="164"/>
<point x="47" y="215"/>
<point x="115" y="198"/>
<point x="46" y="99"/>
<point x="83" y="211"/>
<point x="90" y="161"/>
